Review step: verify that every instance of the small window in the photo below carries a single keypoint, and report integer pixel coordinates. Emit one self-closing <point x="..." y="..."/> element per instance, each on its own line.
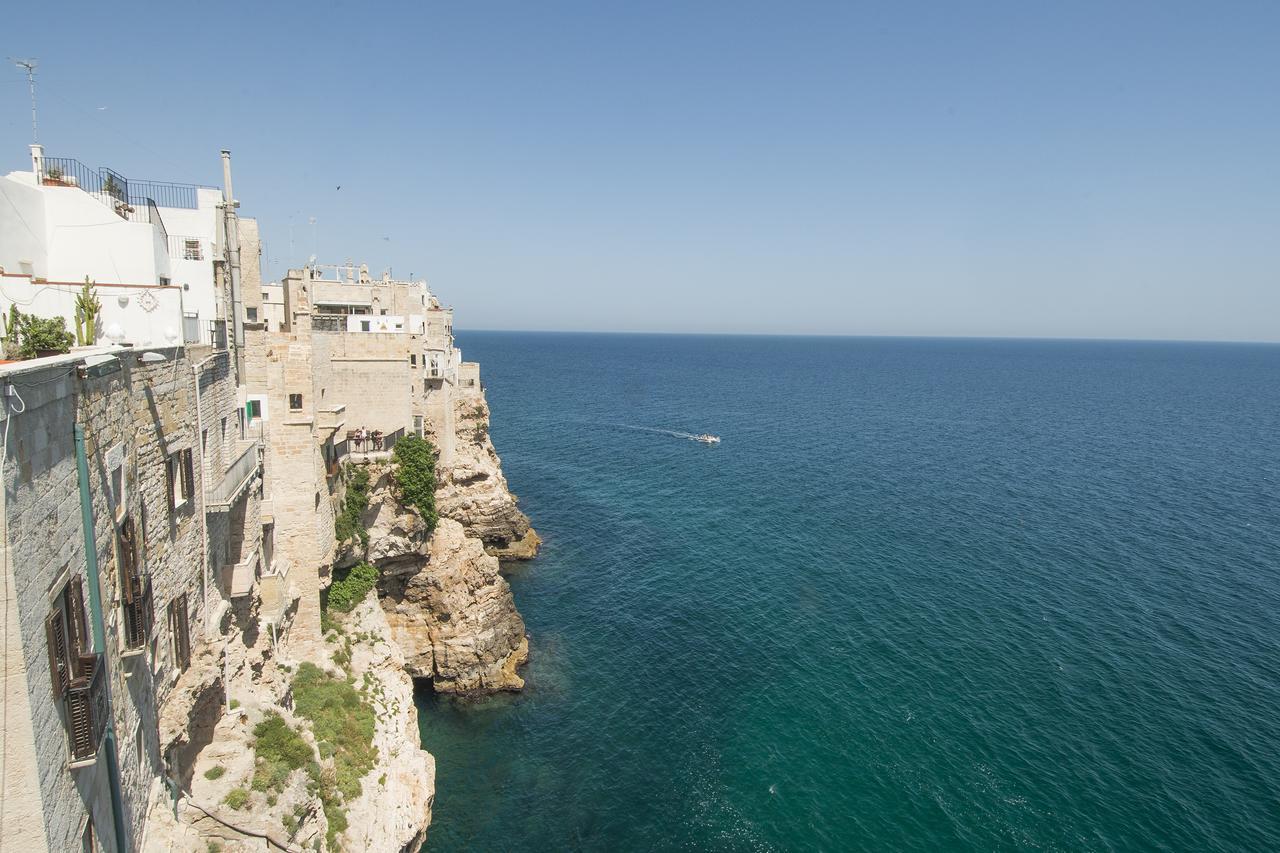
<point x="254" y="409"/>
<point x="179" y="633"/>
<point x="266" y="297"/>
<point x="191" y="250"/>
<point x="364" y="325"/>
<point x="224" y="432"/>
<point x="413" y="359"/>
<point x="384" y="311"/>
<point x="165" y="281"/>
<point x="295" y="402"/>
<point x="251" y="314"/>
<point x="117" y="489"/>
<point x="181" y="479"/>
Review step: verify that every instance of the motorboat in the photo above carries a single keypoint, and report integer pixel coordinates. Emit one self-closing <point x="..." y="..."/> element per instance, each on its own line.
<point x="707" y="438"/>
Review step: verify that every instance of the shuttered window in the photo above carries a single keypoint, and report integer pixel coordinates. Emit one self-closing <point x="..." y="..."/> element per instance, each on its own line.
<point x="180" y="475"/>
<point x="179" y="633"/>
<point x="73" y="671"/>
<point x="135" y="589"/>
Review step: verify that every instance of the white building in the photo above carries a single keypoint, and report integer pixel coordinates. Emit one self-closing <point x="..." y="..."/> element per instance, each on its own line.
<point x="148" y="247"/>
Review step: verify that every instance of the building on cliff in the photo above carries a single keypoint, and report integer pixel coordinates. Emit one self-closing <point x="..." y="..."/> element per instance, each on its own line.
<point x="129" y="460"/>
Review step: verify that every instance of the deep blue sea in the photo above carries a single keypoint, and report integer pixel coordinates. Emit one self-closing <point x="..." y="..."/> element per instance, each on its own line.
<point x="926" y="595"/>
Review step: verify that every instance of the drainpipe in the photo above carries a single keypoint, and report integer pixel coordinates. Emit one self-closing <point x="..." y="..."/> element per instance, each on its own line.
<point x="229" y="205"/>
<point x="99" y="632"/>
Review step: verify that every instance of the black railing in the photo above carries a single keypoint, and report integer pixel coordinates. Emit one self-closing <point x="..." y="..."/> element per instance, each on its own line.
<point x="153" y="216"/>
<point x="166" y="195"/>
<point x="129" y="201"/>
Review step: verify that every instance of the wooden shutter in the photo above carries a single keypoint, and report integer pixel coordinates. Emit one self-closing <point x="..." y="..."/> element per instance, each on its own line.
<point x="168" y="479"/>
<point x="184" y="635"/>
<point x="188" y="476"/>
<point x="129" y="579"/>
<point x="56" y="634"/>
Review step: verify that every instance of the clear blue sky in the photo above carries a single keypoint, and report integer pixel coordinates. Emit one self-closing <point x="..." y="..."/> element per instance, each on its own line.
<point x="1023" y="168"/>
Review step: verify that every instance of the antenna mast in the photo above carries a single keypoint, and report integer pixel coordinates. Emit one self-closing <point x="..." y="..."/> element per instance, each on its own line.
<point x="29" y="65"/>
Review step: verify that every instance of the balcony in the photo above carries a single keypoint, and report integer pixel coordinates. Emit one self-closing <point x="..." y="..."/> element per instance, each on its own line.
<point x="239" y="578"/>
<point x="239" y="475"/>
<point x="273" y="589"/>
<point x="267" y="511"/>
<point x="87" y="710"/>
<point x="332" y="418"/>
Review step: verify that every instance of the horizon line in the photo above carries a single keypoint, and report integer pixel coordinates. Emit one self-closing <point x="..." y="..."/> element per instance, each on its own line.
<point x="1062" y="338"/>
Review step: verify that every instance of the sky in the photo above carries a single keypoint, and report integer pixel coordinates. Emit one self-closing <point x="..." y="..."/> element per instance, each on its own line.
<point x="1009" y="169"/>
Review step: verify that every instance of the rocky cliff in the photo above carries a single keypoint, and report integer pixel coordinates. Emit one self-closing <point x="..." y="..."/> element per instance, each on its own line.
<point x="237" y="803"/>
<point x="450" y="611"/>
<point x="472" y="490"/>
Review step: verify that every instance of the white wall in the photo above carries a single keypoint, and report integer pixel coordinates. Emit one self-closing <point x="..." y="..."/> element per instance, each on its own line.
<point x="22" y="229"/>
<point x="199" y="224"/>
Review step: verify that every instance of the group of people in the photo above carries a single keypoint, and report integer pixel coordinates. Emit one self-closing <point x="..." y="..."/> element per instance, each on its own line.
<point x="363" y="438"/>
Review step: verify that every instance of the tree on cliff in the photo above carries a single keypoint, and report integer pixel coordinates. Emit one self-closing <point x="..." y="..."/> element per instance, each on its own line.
<point x="415" y="476"/>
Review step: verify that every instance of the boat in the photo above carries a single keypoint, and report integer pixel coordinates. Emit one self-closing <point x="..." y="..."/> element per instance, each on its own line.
<point x="707" y="438"/>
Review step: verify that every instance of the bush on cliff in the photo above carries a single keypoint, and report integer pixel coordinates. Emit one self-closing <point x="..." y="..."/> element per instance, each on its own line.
<point x="343" y="724"/>
<point x="350" y="589"/>
<point x="415" y="475"/>
<point x="280" y="751"/>
<point x="350" y="522"/>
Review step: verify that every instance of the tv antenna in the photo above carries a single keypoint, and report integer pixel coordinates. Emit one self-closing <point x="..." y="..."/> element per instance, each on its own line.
<point x="29" y="65"/>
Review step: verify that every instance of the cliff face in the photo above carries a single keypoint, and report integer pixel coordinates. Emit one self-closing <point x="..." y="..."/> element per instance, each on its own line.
<point x="393" y="809"/>
<point x="450" y="611"/>
<point x="472" y="491"/>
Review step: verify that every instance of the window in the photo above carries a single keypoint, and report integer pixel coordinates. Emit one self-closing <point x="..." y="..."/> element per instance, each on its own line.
<point x="165" y="281"/>
<point x="266" y="297"/>
<point x="251" y="314"/>
<point x="179" y="633"/>
<point x="224" y="432"/>
<point x="181" y="479"/>
<point x="295" y="402"/>
<point x="191" y="250"/>
<point x="204" y="442"/>
<point x="413" y="359"/>
<point x="72" y="669"/>
<point x="117" y="489"/>
<point x="384" y="311"/>
<point x="135" y="589"/>
<point x="364" y="325"/>
<point x="254" y="409"/>
<point x="141" y="746"/>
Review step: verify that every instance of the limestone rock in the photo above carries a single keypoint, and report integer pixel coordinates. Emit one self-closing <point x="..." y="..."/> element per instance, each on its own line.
<point x="454" y="617"/>
<point x="471" y="489"/>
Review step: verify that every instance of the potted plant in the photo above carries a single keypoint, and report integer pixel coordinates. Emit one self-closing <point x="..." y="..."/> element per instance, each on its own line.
<point x="87" y="307"/>
<point x="53" y="177"/>
<point x="111" y="188"/>
<point x="43" y="336"/>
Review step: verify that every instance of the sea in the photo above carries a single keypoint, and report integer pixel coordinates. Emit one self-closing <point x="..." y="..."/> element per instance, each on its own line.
<point x="925" y="595"/>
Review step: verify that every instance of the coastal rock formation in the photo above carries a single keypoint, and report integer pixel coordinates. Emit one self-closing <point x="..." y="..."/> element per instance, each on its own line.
<point x="224" y="807"/>
<point x="454" y="617"/>
<point x="472" y="490"/>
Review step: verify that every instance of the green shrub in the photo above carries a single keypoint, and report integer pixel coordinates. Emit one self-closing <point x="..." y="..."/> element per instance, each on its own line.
<point x="233" y="704"/>
<point x="41" y="333"/>
<point x="215" y="772"/>
<point x="350" y="589"/>
<point x="280" y="750"/>
<point x="350" y="522"/>
<point x="340" y="718"/>
<point x="237" y="799"/>
<point x="415" y="476"/>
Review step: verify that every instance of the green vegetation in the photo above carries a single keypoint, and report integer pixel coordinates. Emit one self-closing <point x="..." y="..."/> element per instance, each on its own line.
<point x="213" y="847"/>
<point x="237" y="799"/>
<point x="343" y="725"/>
<point x="350" y="589"/>
<point x="350" y="522"/>
<point x="34" y="335"/>
<point x="87" y="307"/>
<point x="415" y="475"/>
<point x="280" y="750"/>
<point x="233" y="704"/>
<point x="215" y="772"/>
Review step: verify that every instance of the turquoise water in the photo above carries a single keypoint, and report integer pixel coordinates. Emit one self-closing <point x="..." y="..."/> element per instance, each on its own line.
<point x="927" y="595"/>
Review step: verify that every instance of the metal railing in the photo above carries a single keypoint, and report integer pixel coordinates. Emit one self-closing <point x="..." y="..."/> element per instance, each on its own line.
<point x="329" y="322"/>
<point x="153" y="216"/>
<point x="168" y="195"/>
<point x="87" y="708"/>
<point x="228" y="489"/>
<point x="129" y="201"/>
<point x="186" y="248"/>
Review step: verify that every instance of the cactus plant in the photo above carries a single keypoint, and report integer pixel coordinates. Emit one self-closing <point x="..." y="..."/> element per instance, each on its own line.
<point x="87" y="307"/>
<point x="11" y="339"/>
